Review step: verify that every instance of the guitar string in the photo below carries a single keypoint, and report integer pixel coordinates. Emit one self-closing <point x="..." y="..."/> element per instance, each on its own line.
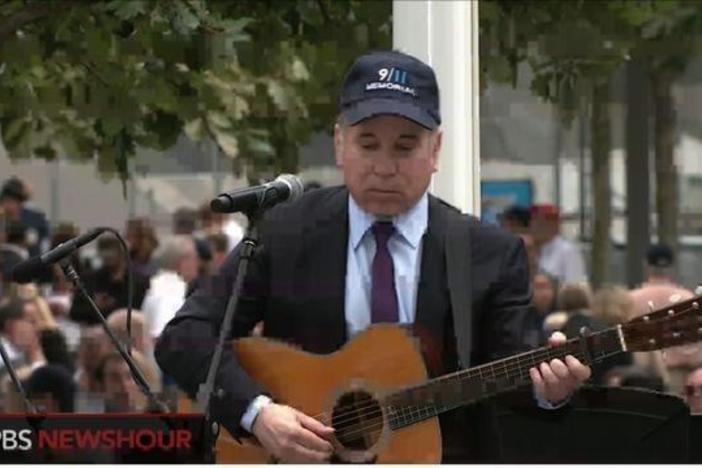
<point x="508" y="372"/>
<point x="361" y="412"/>
<point x="361" y="429"/>
<point x="352" y="411"/>
<point x="406" y="410"/>
<point x="531" y="355"/>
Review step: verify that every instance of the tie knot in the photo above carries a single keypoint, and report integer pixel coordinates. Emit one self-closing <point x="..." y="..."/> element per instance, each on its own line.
<point x="382" y="230"/>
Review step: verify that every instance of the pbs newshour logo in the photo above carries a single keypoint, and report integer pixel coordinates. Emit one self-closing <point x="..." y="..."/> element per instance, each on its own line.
<point x="12" y="440"/>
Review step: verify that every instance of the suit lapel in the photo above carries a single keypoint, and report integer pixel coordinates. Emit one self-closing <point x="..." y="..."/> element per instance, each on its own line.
<point x="325" y="254"/>
<point x="432" y="293"/>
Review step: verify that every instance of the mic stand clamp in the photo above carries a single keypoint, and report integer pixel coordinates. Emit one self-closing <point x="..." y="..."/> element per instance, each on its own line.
<point x="154" y="403"/>
<point x="207" y="389"/>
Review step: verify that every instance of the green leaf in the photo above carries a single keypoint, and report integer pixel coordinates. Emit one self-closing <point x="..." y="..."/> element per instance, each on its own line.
<point x="227" y="142"/>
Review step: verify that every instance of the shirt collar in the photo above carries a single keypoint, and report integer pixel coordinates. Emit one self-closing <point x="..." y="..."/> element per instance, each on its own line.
<point x="411" y="224"/>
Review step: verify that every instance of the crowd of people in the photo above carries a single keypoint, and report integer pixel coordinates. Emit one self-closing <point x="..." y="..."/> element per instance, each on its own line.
<point x="52" y="336"/>
<point x="67" y="363"/>
<point x="564" y="300"/>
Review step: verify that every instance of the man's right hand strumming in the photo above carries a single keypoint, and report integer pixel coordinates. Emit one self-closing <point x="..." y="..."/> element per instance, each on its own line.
<point x="292" y="436"/>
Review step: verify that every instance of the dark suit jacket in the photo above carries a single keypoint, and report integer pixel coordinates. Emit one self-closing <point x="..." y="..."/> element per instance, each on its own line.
<point x="296" y="285"/>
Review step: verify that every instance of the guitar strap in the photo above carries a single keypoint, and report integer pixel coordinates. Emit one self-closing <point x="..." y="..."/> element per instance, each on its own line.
<point x="458" y="272"/>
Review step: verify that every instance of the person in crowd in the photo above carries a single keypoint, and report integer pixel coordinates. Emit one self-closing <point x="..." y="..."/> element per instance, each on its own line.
<point x="558" y="256"/>
<point x="140" y="338"/>
<point x="51" y="389"/>
<point x="15" y="199"/>
<point x="693" y="390"/>
<point x="108" y="284"/>
<point x="633" y="376"/>
<point x="219" y="244"/>
<point x="574" y="301"/>
<point x="53" y="341"/>
<point x="312" y="283"/>
<point x="660" y="288"/>
<point x="14" y="250"/>
<point x="21" y="335"/>
<point x="611" y="306"/>
<point x="143" y="242"/>
<point x="544" y="288"/>
<point x="516" y="219"/>
<point x="185" y="223"/>
<point x="94" y="346"/>
<point x="120" y="391"/>
<point x="178" y="267"/>
<point x="212" y="223"/>
<point x="532" y="254"/>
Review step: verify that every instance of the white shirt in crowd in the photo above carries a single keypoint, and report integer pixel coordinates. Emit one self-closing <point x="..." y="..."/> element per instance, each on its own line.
<point x="563" y="259"/>
<point x="164" y="298"/>
<point x="234" y="233"/>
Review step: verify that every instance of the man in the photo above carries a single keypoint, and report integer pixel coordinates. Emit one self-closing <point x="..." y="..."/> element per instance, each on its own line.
<point x="51" y="389"/>
<point x="179" y="265"/>
<point x="342" y="258"/>
<point x="658" y="291"/>
<point x="14" y="200"/>
<point x="14" y="250"/>
<point x="108" y="285"/>
<point x="558" y="256"/>
<point x="659" y="288"/>
<point x="516" y="219"/>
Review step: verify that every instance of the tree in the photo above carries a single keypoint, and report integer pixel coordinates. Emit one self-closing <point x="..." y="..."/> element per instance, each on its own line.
<point x="573" y="60"/>
<point x="97" y="79"/>
<point x="574" y="47"/>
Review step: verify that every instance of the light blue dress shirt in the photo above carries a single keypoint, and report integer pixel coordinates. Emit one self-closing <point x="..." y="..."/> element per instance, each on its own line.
<point x="405" y="246"/>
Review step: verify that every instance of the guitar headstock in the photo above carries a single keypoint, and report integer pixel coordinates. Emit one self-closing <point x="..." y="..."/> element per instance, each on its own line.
<point x="674" y="325"/>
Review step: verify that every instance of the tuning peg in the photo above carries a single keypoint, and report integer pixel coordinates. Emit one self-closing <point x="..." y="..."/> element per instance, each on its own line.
<point x="698" y="290"/>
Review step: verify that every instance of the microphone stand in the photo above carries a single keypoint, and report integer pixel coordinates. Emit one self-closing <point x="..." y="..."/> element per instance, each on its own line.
<point x="207" y="390"/>
<point x="28" y="406"/>
<point x="154" y="403"/>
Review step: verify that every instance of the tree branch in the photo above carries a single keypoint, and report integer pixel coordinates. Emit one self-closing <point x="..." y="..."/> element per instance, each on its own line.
<point x="325" y="13"/>
<point x="27" y="14"/>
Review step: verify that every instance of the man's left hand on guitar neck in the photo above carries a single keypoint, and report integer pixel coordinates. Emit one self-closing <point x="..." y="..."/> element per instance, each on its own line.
<point x="555" y="381"/>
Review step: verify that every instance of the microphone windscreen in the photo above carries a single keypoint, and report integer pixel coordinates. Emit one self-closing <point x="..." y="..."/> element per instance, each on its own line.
<point x="27" y="271"/>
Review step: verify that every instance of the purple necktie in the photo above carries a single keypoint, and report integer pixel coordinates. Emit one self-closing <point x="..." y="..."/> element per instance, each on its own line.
<point x="383" y="297"/>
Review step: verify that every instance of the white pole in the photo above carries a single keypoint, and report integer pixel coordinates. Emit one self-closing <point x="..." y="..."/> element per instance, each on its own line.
<point x="444" y="34"/>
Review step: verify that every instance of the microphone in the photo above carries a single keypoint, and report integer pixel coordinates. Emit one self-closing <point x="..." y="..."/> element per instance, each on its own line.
<point x="286" y="187"/>
<point x="28" y="270"/>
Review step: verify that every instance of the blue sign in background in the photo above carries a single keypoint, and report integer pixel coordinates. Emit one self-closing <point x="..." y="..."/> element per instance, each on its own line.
<point x="498" y="195"/>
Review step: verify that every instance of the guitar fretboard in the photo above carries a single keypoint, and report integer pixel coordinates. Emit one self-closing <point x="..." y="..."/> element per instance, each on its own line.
<point x="415" y="404"/>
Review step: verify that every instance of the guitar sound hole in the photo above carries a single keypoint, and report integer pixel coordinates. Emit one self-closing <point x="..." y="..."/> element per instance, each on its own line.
<point x="358" y="420"/>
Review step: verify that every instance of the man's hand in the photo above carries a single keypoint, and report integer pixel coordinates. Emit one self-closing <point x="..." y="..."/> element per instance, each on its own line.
<point x="292" y="436"/>
<point x="556" y="381"/>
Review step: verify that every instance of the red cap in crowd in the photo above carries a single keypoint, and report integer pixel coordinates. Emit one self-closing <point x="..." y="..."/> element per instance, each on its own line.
<point x="545" y="211"/>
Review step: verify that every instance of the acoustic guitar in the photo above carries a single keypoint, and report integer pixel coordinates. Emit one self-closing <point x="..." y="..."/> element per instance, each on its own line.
<point x="376" y="395"/>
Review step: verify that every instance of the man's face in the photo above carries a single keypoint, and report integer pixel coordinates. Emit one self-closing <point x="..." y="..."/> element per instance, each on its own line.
<point x="111" y="258"/>
<point x="543" y="294"/>
<point x="544" y="229"/>
<point x="387" y="162"/>
<point x="121" y="393"/>
<point x="189" y="264"/>
<point x="12" y="207"/>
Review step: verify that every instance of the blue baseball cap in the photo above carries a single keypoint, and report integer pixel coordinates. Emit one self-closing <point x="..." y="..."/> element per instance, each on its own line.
<point x="390" y="82"/>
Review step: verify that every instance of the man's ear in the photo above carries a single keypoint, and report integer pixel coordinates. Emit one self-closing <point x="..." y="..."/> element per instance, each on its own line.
<point x="437" y="138"/>
<point x="339" y="145"/>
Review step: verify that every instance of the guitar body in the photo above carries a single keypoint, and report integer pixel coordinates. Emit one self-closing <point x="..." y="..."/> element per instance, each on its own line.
<point x="379" y="360"/>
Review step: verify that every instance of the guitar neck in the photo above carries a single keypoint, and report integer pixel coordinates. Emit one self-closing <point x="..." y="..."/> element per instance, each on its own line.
<point x="415" y="404"/>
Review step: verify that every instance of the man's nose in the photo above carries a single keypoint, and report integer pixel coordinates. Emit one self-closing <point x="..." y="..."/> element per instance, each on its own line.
<point x="385" y="166"/>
